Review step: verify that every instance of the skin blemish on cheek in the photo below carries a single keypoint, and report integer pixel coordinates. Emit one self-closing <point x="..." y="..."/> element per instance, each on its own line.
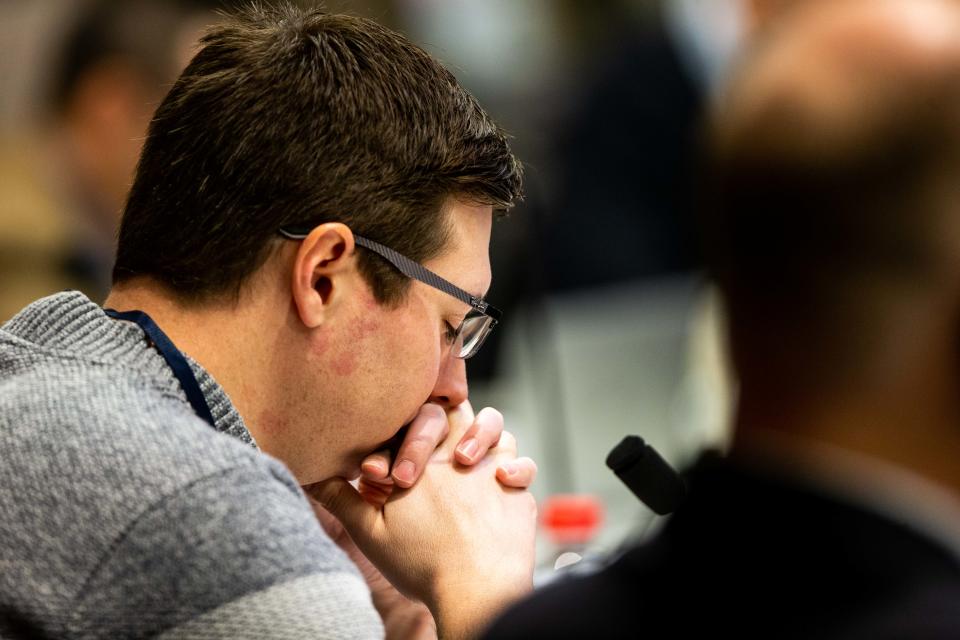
<point x="345" y="363"/>
<point x="320" y="344"/>
<point x="270" y="422"/>
<point x="364" y="328"/>
<point x="367" y="324"/>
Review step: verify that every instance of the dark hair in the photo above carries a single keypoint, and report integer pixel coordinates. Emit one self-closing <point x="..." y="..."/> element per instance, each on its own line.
<point x="297" y="117"/>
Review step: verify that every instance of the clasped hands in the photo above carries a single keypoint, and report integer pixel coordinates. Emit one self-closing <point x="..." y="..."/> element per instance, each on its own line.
<point x="449" y="524"/>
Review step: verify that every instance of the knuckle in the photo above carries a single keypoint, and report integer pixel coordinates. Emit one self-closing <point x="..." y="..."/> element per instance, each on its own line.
<point x="378" y="456"/>
<point x="528" y="463"/>
<point x="507" y="441"/>
<point x="429" y="429"/>
<point x="378" y="459"/>
<point x="418" y="447"/>
<point x="433" y="411"/>
<point x="531" y="470"/>
<point x="491" y="416"/>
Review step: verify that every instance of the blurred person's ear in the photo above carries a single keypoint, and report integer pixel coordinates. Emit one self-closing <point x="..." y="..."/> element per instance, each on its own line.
<point x="106" y="120"/>
<point x="761" y="13"/>
<point x="111" y="94"/>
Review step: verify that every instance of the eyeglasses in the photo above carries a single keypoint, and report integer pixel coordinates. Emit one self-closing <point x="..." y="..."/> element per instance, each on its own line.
<point x="476" y="325"/>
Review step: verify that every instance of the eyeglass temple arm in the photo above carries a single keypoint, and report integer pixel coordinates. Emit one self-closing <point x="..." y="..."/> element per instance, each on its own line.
<point x="411" y="269"/>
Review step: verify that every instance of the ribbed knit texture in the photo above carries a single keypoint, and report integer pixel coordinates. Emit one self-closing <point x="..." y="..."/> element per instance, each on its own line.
<point x="123" y="514"/>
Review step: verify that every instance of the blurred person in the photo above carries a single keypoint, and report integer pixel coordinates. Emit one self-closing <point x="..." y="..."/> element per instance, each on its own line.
<point x="313" y="203"/>
<point x="834" y="235"/>
<point x="64" y="182"/>
<point x="636" y="94"/>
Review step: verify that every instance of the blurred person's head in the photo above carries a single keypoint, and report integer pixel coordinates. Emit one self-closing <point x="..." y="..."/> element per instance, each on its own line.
<point x="762" y="12"/>
<point x="340" y="128"/>
<point x="835" y="223"/>
<point x="116" y="60"/>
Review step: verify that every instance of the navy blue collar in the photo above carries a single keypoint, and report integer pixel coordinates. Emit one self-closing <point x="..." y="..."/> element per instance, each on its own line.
<point x="174" y="358"/>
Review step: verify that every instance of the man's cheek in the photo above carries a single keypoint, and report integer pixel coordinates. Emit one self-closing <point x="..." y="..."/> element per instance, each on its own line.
<point x="345" y="363"/>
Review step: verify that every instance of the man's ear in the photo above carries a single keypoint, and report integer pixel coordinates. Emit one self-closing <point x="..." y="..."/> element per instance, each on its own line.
<point x="325" y="256"/>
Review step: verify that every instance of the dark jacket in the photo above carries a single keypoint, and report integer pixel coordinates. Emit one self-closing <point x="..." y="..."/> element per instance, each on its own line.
<point x="749" y="555"/>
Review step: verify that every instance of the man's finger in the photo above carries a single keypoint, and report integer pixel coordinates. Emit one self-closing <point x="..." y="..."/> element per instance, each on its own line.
<point x="518" y="473"/>
<point x="376" y="467"/>
<point x="338" y="496"/>
<point x="483" y="433"/>
<point x="507" y="445"/>
<point x="426" y="431"/>
<point x="331" y="525"/>
<point x="375" y="493"/>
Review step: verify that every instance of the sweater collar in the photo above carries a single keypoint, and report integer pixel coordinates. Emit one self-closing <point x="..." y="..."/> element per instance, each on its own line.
<point x="69" y="322"/>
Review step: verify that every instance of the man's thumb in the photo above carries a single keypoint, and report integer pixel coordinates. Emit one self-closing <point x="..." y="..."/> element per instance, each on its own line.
<point x="340" y="498"/>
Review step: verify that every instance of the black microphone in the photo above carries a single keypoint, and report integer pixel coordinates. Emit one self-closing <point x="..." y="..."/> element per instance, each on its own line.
<point x="647" y="475"/>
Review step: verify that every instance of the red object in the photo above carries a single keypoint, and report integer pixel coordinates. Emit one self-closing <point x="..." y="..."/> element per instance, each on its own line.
<point x="571" y="518"/>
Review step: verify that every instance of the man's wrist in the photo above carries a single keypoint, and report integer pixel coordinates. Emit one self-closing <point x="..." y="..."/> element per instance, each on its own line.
<point x="463" y="610"/>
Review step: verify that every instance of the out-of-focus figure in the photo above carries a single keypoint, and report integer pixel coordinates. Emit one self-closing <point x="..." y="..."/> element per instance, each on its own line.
<point x="63" y="179"/>
<point x="833" y="230"/>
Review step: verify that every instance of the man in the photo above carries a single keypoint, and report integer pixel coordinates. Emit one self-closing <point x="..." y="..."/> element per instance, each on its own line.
<point x="313" y="203"/>
<point x="834" y="230"/>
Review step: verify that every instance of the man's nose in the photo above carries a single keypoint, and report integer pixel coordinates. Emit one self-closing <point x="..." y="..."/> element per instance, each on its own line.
<point x="451" y="387"/>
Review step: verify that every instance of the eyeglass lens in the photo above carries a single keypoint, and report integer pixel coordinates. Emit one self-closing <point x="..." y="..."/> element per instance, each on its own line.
<point x="473" y="332"/>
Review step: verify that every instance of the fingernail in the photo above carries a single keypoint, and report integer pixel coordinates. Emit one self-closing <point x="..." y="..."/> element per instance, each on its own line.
<point x="511" y="469"/>
<point x="404" y="471"/>
<point x="469" y="448"/>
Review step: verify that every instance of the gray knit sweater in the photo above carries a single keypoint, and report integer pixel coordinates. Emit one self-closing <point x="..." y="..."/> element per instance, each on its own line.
<point x="124" y="515"/>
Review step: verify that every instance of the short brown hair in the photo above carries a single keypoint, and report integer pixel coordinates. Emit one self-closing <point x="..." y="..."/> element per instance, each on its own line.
<point x="296" y="117"/>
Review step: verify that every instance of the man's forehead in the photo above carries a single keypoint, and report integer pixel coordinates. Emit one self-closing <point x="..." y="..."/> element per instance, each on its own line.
<point x="466" y="259"/>
<point x="468" y="223"/>
<point x="471" y="273"/>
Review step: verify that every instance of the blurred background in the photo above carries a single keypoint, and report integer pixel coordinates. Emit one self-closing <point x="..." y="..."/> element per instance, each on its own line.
<point x="609" y="328"/>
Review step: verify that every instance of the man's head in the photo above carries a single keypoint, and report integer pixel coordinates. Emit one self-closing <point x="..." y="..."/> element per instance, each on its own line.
<point x="341" y="128"/>
<point x="834" y="230"/>
<point x="297" y="118"/>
